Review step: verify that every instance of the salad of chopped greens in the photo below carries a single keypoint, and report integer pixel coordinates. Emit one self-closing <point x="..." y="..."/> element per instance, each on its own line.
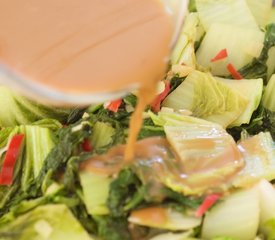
<point x="204" y="164"/>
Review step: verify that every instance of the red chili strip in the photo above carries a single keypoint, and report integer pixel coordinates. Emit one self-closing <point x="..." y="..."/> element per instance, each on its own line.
<point x="221" y="55"/>
<point x="155" y="105"/>
<point x="86" y="145"/>
<point x="208" y="202"/>
<point x="235" y="74"/>
<point x="12" y="154"/>
<point x="114" y="105"/>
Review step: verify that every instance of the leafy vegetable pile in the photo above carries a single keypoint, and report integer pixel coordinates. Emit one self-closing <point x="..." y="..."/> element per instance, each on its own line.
<point x="205" y="156"/>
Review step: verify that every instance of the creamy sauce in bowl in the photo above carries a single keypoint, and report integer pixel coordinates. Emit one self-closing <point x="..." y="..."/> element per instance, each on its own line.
<point x="89" y="46"/>
<point x="86" y="46"/>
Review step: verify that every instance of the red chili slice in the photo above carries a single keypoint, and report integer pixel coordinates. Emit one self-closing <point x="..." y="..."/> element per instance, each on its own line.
<point x="114" y="105"/>
<point x="208" y="202"/>
<point x="235" y="74"/>
<point x="86" y="145"/>
<point x="155" y="105"/>
<point x="6" y="173"/>
<point x="221" y="55"/>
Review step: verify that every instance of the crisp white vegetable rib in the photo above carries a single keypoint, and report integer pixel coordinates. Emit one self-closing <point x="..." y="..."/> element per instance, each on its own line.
<point x="207" y="98"/>
<point x="237" y="216"/>
<point x="261" y="10"/>
<point x="269" y="97"/>
<point x="206" y="167"/>
<point x="187" y="33"/>
<point x="253" y="92"/>
<point x="182" y="97"/>
<point x="36" y="136"/>
<point x="50" y="221"/>
<point x="7" y="101"/>
<point x="259" y="155"/>
<point x="267" y="204"/>
<point x="234" y="12"/>
<point x="242" y="45"/>
<point x="184" y="51"/>
<point x="271" y="62"/>
<point x="102" y="134"/>
<point x="174" y="236"/>
<point x="95" y="192"/>
<point x="174" y="220"/>
<point x="272" y="16"/>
